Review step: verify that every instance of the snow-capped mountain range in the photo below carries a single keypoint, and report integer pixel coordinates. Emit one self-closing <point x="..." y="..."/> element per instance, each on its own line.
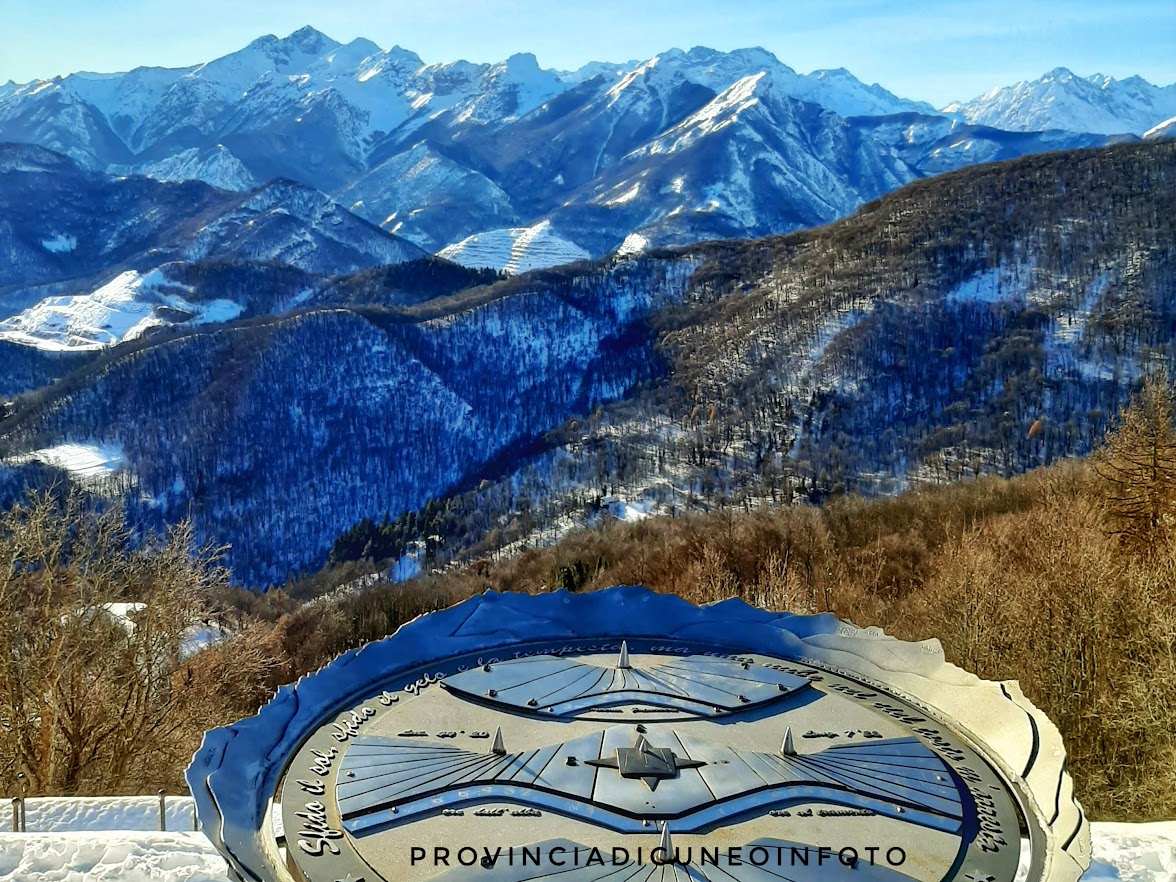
<point x="465" y="157"/>
<point x="1064" y="100"/>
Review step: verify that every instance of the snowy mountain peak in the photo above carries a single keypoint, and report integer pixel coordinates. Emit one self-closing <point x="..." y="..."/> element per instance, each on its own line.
<point x="522" y="63"/>
<point x="310" y="41"/>
<point x="401" y="55"/>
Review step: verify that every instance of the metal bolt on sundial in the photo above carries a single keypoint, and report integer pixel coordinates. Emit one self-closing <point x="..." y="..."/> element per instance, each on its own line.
<point x="899" y="755"/>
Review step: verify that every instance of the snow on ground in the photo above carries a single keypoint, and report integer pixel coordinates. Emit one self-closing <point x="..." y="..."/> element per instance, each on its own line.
<point x="629" y="511"/>
<point x="60" y="244"/>
<point x="117" y="839"/>
<point x="627" y="196"/>
<point x="994" y="286"/>
<point x="200" y="637"/>
<point x="99" y="814"/>
<point x="110" y="857"/>
<point x="122" y="309"/>
<point x="514" y="250"/>
<point x="87" y="463"/>
<point x="196" y="638"/>
<point x="634" y="244"/>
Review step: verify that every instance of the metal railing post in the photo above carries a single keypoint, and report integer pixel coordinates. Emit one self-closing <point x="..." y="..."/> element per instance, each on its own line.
<point x="24" y="801"/>
<point x="162" y="811"/>
<point x="16" y="814"/>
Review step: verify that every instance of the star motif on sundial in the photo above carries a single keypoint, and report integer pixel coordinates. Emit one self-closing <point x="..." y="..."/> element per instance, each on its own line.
<point x="646" y="762"/>
<point x="977" y="876"/>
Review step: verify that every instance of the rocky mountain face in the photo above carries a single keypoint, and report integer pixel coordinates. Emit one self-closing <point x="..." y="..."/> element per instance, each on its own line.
<point x="677" y="149"/>
<point x="989" y="319"/>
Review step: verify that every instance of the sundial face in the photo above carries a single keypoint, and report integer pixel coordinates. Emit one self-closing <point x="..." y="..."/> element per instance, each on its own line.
<point x="634" y="757"/>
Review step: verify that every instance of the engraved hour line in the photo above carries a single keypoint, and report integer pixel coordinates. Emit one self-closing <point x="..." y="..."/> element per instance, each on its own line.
<point x="703" y="683"/>
<point x="428" y="765"/>
<point x="862" y="779"/>
<point x="534" y="680"/>
<point x="465" y="768"/>
<point x="667" y="687"/>
<point x="586" y="674"/>
<point x="672" y="668"/>
<point x="478" y="764"/>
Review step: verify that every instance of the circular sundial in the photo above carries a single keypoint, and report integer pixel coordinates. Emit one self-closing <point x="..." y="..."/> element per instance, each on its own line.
<point x="625" y="735"/>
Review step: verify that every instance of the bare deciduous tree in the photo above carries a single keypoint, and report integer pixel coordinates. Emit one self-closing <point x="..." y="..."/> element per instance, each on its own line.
<point x="1138" y="466"/>
<point x="95" y="691"/>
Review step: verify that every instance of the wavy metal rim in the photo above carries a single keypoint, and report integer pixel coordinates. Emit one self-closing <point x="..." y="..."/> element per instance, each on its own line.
<point x="235" y="773"/>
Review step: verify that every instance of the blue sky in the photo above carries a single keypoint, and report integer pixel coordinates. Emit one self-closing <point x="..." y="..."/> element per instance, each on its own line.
<point x="934" y="51"/>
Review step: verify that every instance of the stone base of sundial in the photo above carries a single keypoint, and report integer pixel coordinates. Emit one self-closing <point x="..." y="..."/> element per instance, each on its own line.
<point x="626" y="736"/>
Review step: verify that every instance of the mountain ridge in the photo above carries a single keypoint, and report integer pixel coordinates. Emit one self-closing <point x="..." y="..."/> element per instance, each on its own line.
<point x="1062" y="99"/>
<point x="441" y="152"/>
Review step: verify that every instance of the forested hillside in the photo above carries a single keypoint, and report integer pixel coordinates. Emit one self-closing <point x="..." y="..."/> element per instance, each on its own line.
<point x="988" y="320"/>
<point x="276" y="433"/>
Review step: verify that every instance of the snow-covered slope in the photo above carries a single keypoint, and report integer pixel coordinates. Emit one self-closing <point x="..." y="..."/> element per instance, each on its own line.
<point x="1166" y="129"/>
<point x="428" y="198"/>
<point x="216" y="166"/>
<point x="515" y="250"/>
<point x="125" y="308"/>
<point x="88" y="464"/>
<point x="1062" y="100"/>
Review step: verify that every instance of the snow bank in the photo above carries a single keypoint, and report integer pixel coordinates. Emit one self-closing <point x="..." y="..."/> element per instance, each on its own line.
<point x="634" y="244"/>
<point x="97" y="814"/>
<point x="103" y="839"/>
<point x="1133" y="852"/>
<point x="110" y="857"/>
<point x="60" y="244"/>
